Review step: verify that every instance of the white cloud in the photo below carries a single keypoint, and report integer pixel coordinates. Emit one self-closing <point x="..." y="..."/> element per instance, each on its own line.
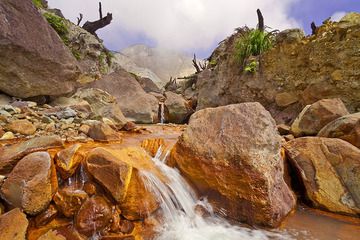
<point x="179" y="24"/>
<point x="337" y="16"/>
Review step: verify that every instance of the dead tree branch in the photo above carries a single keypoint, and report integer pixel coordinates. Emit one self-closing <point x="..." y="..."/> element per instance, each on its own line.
<point x="79" y="19"/>
<point x="92" y="27"/>
<point x="313" y="28"/>
<point x="261" y="25"/>
<point x="195" y="64"/>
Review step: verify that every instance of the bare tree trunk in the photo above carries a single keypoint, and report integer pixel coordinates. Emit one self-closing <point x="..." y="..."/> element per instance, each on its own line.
<point x="79" y="19"/>
<point x="92" y="27"/>
<point x="313" y="28"/>
<point x="261" y="25"/>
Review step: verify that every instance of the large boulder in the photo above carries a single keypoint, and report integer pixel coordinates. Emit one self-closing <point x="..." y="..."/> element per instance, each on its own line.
<point x="314" y="117"/>
<point x="297" y="70"/>
<point x="13" y="225"/>
<point x="328" y="170"/>
<point x="346" y="128"/>
<point x="31" y="184"/>
<point x="232" y="155"/>
<point x="33" y="59"/>
<point x="135" y="103"/>
<point x="10" y="155"/>
<point x="178" y="109"/>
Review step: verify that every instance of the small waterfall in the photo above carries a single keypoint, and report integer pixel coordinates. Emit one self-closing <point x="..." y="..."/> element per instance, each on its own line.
<point x="162" y="112"/>
<point x="181" y="221"/>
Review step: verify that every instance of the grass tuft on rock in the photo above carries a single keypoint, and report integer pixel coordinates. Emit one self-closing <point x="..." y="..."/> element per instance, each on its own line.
<point x="253" y="43"/>
<point x="58" y="24"/>
<point x="38" y="3"/>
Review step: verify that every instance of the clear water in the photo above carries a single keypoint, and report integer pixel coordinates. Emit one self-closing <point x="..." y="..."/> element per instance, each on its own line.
<point x="181" y="221"/>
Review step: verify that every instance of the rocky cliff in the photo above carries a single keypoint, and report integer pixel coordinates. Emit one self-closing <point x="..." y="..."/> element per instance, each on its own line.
<point x="296" y="72"/>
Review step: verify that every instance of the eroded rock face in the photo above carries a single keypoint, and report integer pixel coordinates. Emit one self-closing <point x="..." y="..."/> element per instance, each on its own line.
<point x="328" y="169"/>
<point x="10" y="155"/>
<point x="137" y="105"/>
<point x="314" y="117"/>
<point x="93" y="216"/>
<point x="13" y="225"/>
<point x="33" y="59"/>
<point x="178" y="108"/>
<point x="31" y="184"/>
<point x="232" y="155"/>
<point x="346" y="128"/>
<point x="302" y="70"/>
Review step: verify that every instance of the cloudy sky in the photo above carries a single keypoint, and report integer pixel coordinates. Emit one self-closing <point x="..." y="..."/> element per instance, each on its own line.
<point x="196" y="25"/>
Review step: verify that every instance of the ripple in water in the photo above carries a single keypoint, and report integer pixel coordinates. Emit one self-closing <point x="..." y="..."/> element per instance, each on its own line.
<point x="181" y="221"/>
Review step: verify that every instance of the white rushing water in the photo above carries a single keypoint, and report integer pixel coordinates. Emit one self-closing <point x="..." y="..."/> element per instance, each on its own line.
<point x="180" y="219"/>
<point x="162" y="112"/>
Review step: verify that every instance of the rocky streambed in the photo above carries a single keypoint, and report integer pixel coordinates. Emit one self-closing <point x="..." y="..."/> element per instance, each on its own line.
<point x="53" y="189"/>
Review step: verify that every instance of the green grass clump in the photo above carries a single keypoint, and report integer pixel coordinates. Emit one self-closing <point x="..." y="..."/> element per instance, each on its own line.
<point x="251" y="67"/>
<point x="253" y="43"/>
<point x="38" y="3"/>
<point x="58" y="24"/>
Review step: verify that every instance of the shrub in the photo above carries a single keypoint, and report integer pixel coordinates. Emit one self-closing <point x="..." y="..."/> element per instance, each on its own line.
<point x="253" y="43"/>
<point x="38" y="3"/>
<point x="58" y="24"/>
<point x="251" y="67"/>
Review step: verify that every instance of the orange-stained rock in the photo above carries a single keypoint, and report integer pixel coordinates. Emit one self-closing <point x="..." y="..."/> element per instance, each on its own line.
<point x="346" y="128"/>
<point x="22" y="126"/>
<point x="314" y="117"/>
<point x="10" y="155"/>
<point x="13" y="225"/>
<point x="329" y="170"/>
<point x="232" y="155"/>
<point x="118" y="172"/>
<point x="90" y="188"/>
<point x="51" y="235"/>
<point x="37" y="171"/>
<point x="118" y="237"/>
<point x="152" y="145"/>
<point x="68" y="160"/>
<point x="46" y="216"/>
<point x="69" y="200"/>
<point x="103" y="132"/>
<point x="111" y="173"/>
<point x="126" y="226"/>
<point x="93" y="216"/>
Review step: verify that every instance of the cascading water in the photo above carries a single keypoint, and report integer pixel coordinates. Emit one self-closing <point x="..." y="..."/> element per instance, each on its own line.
<point x="162" y="112"/>
<point x="181" y="221"/>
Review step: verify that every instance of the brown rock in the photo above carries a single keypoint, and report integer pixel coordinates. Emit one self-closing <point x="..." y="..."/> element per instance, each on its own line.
<point x="68" y="160"/>
<point x="118" y="237"/>
<point x="21" y="126"/>
<point x="84" y="129"/>
<point x="51" y="235"/>
<point x="2" y="132"/>
<point x="178" y="108"/>
<point x="285" y="99"/>
<point x="314" y="117"/>
<point x="33" y="59"/>
<point x="327" y="167"/>
<point x="126" y="226"/>
<point x="112" y="174"/>
<point x="89" y="188"/>
<point x="69" y="200"/>
<point x="38" y="172"/>
<point x="137" y="105"/>
<point x="13" y="225"/>
<point x="103" y="132"/>
<point x="232" y="155"/>
<point x="118" y="172"/>
<point x="346" y="128"/>
<point x="283" y="129"/>
<point x="129" y="126"/>
<point x="152" y="145"/>
<point x="47" y="216"/>
<point x="93" y="216"/>
<point x="10" y="155"/>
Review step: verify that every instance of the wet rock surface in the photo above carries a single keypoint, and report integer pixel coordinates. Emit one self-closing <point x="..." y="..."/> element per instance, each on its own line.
<point x="13" y="225"/>
<point x="232" y="155"/>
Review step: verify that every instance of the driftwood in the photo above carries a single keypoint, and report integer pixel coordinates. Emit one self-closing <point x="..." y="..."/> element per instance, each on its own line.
<point x="261" y="25"/>
<point x="92" y="27"/>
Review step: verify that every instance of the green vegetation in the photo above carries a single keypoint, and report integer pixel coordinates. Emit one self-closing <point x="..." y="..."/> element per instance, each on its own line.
<point x="59" y="25"/>
<point x="253" y="43"/>
<point x="251" y="67"/>
<point x="76" y="54"/>
<point x="213" y="63"/>
<point x="38" y="3"/>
